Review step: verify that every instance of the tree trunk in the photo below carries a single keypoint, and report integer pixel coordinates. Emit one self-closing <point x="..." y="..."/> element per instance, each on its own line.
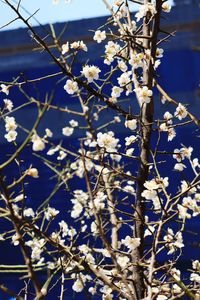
<point x="146" y="121"/>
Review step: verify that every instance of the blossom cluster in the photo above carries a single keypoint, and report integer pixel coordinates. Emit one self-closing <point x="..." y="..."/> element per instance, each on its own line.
<point x="10" y="126"/>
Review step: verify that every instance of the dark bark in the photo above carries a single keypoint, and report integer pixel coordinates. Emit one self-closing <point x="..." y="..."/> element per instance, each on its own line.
<point x="146" y="121"/>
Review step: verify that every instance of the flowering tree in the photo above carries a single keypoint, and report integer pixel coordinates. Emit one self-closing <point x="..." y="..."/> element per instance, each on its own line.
<point x="120" y="234"/>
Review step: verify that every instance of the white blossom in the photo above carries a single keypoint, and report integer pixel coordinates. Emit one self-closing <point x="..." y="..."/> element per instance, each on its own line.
<point x="159" y="52"/>
<point x="33" y="172"/>
<point x="84" y="248"/>
<point x="161" y="297"/>
<point x="164" y="127"/>
<point x="28" y="212"/>
<point x="51" y="213"/>
<point x="181" y="112"/>
<point x="149" y="194"/>
<point x="171" y="133"/>
<point x="116" y="92"/>
<point x="38" y="144"/>
<point x="79" y="201"/>
<point x="61" y="155"/>
<point x="98" y="201"/>
<point x="173" y="241"/>
<point x="156" y="183"/>
<point x="78" y="285"/>
<point x="4" y="89"/>
<point x="10" y="124"/>
<point x="99" y="36"/>
<point x="11" y="136"/>
<point x="157" y="64"/>
<point x="130" y="140"/>
<point x="122" y="12"/>
<point x="196" y="265"/>
<point x="136" y="60"/>
<point x="57" y="238"/>
<point x="65" y="48"/>
<point x="71" y="87"/>
<point x="179" y="167"/>
<point x="178" y="155"/>
<point x="176" y="289"/>
<point x="48" y="132"/>
<point x="77" y="210"/>
<point x="107" y="141"/>
<point x="185" y="187"/>
<point x="52" y="151"/>
<point x="122" y="66"/>
<point x="15" y="239"/>
<point x="195" y="277"/>
<point x="187" y="151"/>
<point x="111" y="50"/>
<point x="166" y="7"/>
<point x="2" y="238"/>
<point x="67" y="131"/>
<point x="92" y="290"/>
<point x="18" y="198"/>
<point x="130" y="151"/>
<point x="129" y="189"/>
<point x="144" y="9"/>
<point x="73" y="123"/>
<point x="131" y="124"/>
<point x="94" y="228"/>
<point x="79" y="167"/>
<point x="36" y="246"/>
<point x="144" y="94"/>
<point x="64" y="228"/>
<point x="124" y="79"/>
<point x="8" y="104"/>
<point x="117" y="119"/>
<point x="183" y="212"/>
<point x="176" y="274"/>
<point x="181" y="154"/>
<point x="195" y="163"/>
<point x="91" y="72"/>
<point x="151" y="185"/>
<point x="131" y="243"/>
<point x="168" y="117"/>
<point x="106" y="293"/>
<point x="123" y="261"/>
<point x="79" y="45"/>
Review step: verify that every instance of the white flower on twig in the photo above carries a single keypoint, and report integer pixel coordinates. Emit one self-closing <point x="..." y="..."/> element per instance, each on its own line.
<point x="166" y="7"/>
<point x="5" y="89"/>
<point x="38" y="144"/>
<point x="91" y="73"/>
<point x="80" y="45"/>
<point x="131" y="124"/>
<point x="67" y="131"/>
<point x="144" y="94"/>
<point x="99" y="36"/>
<point x="8" y="104"/>
<point x="131" y="243"/>
<point x="107" y="141"/>
<point x="71" y="87"/>
<point x="65" y="48"/>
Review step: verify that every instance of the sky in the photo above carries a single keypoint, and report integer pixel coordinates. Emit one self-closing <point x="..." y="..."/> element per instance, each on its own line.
<point x="49" y="13"/>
